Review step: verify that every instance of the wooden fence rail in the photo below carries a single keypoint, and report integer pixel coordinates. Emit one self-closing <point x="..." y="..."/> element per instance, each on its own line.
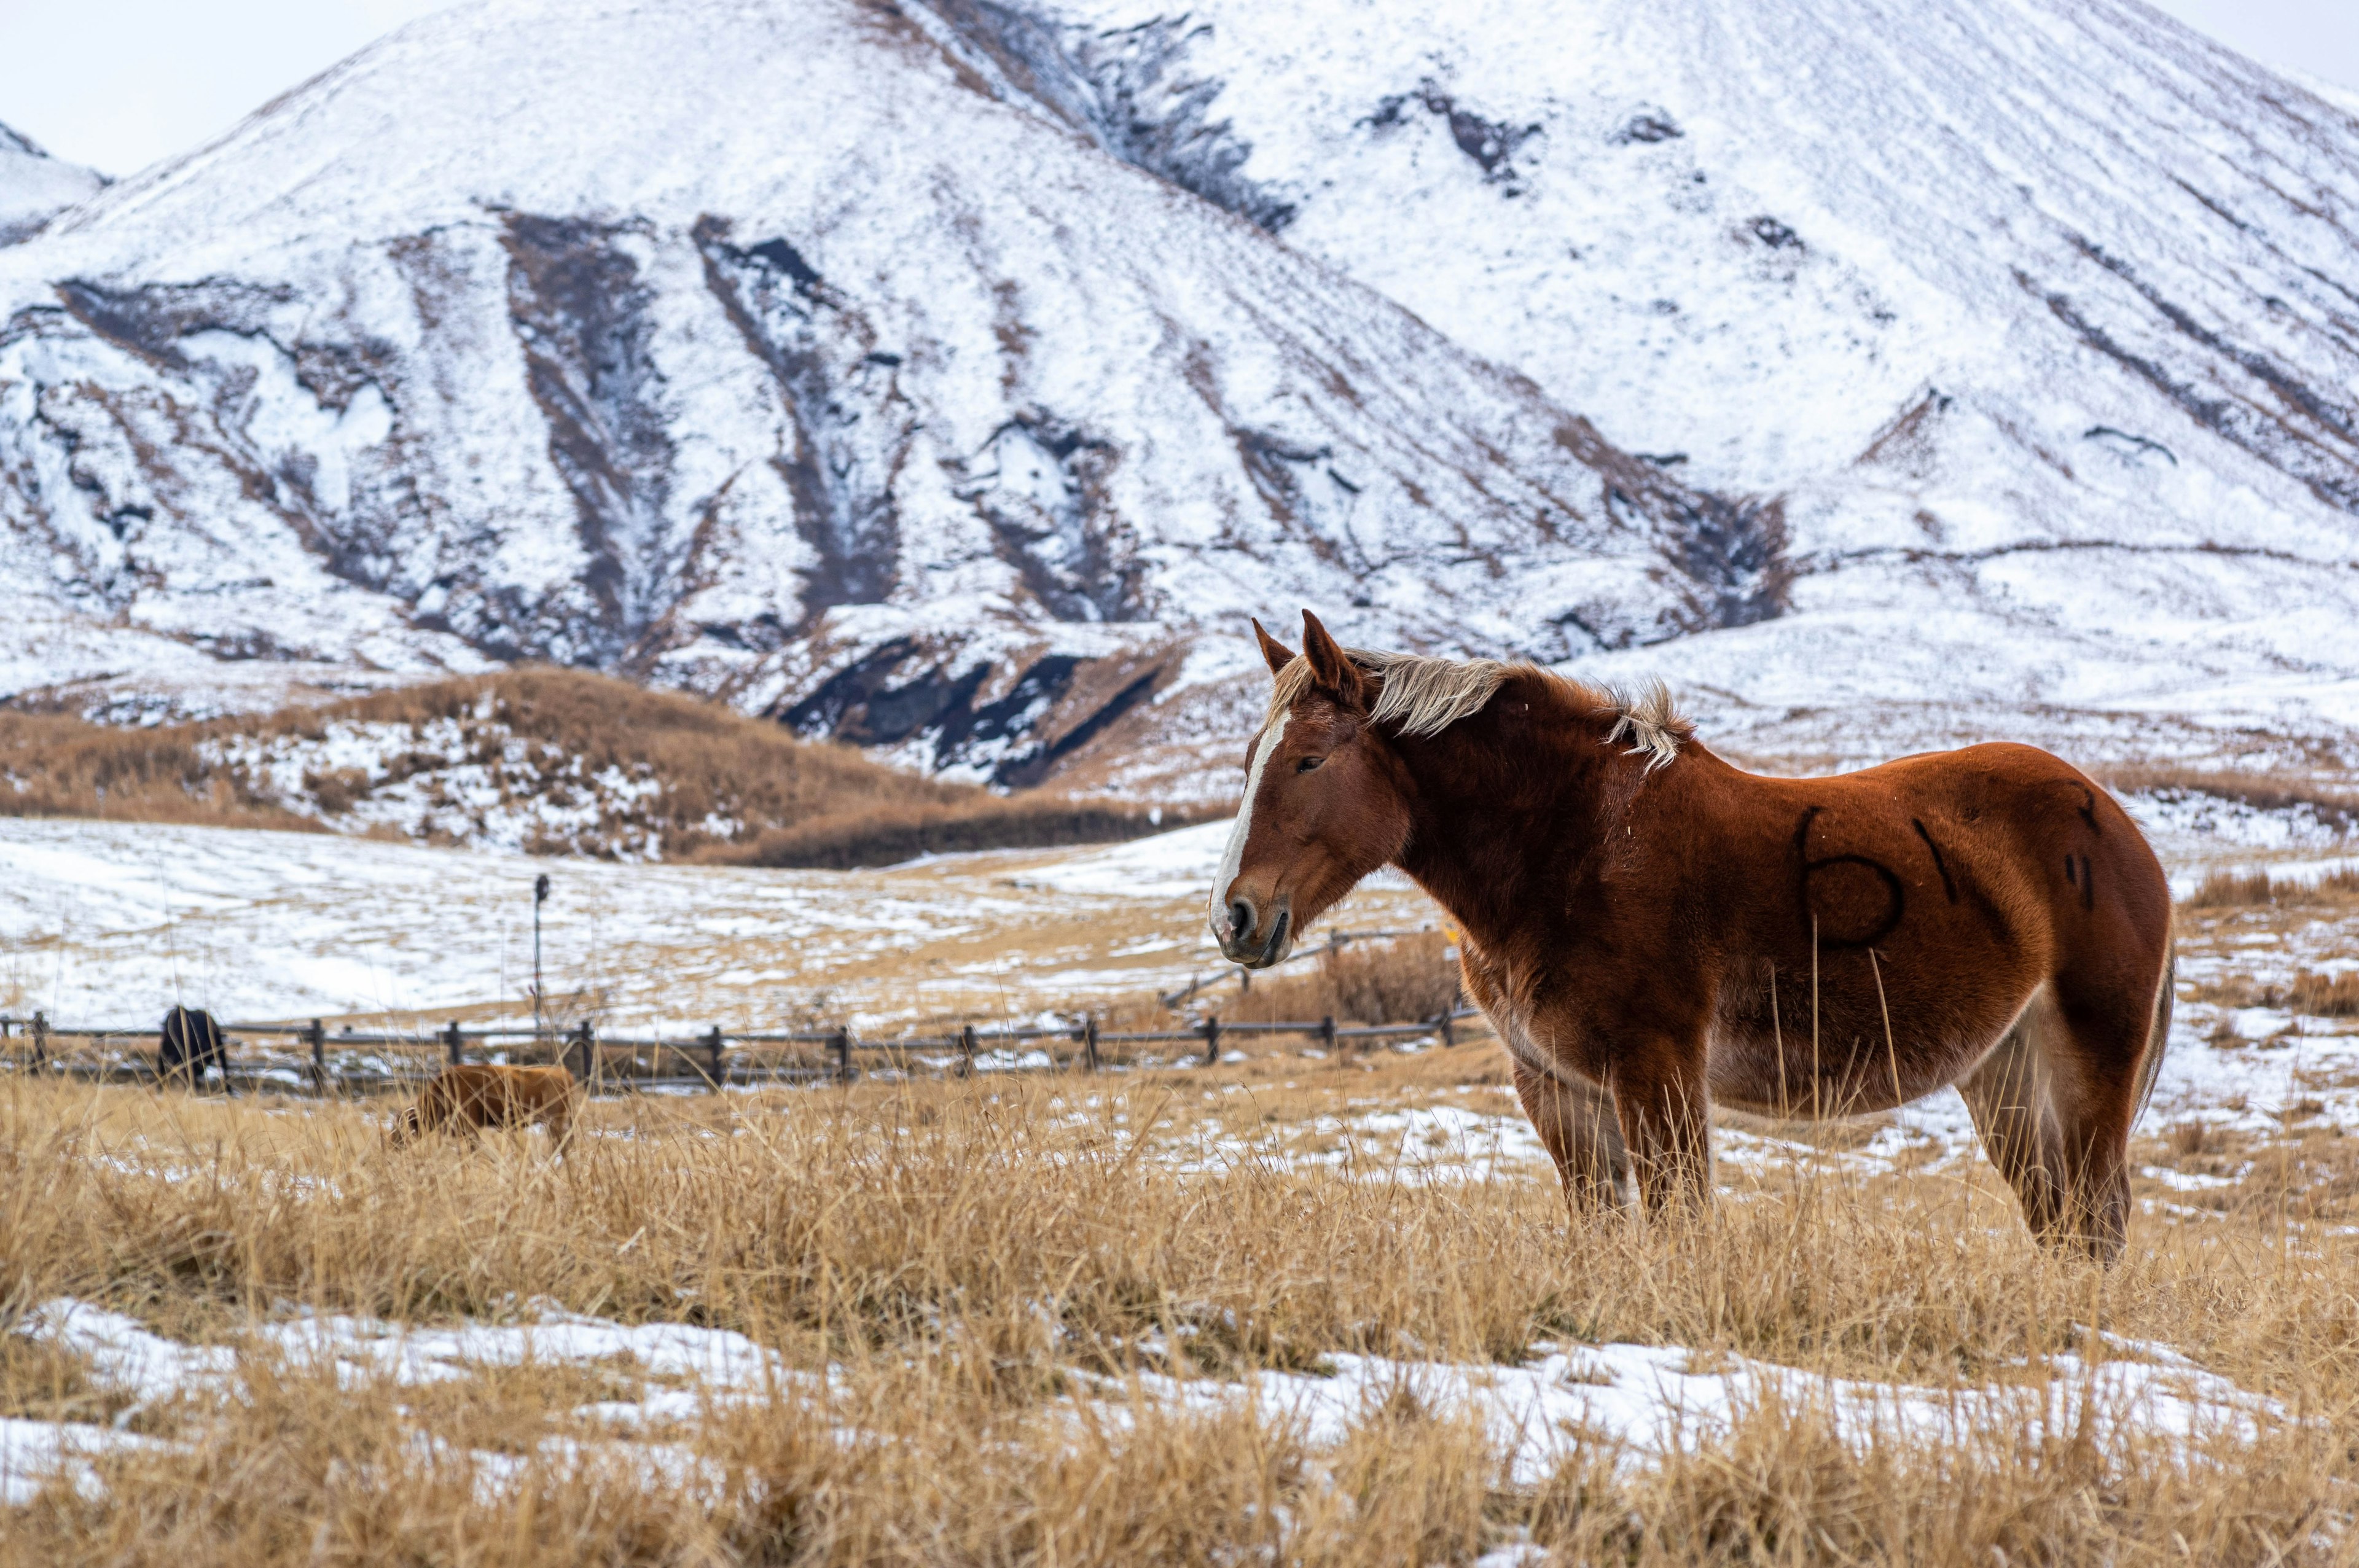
<point x="702" y="1060"/>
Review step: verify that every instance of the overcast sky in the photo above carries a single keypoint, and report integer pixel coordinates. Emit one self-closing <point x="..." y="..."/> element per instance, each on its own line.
<point x="121" y="83"/>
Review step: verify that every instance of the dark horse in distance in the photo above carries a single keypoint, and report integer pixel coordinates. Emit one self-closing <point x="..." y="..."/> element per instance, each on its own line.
<point x="190" y="1041"/>
<point x="1654" y="931"/>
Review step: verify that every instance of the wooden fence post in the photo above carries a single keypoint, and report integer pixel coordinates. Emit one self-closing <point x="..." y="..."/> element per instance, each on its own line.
<point x="966" y="1049"/>
<point x="843" y="1044"/>
<point x="585" y="1044"/>
<point x="318" y="1037"/>
<point x="1211" y="1039"/>
<point x="1089" y="1042"/>
<point x="1327" y="1034"/>
<point x="451" y="1038"/>
<point x="41" y="1039"/>
<point x="712" y="1044"/>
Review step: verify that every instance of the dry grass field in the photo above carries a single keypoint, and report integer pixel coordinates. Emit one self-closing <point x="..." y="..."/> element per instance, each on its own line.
<point x="1302" y="1307"/>
<point x="1299" y="1309"/>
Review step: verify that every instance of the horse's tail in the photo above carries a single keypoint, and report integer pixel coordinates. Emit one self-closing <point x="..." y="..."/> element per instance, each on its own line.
<point x="2158" y="1033"/>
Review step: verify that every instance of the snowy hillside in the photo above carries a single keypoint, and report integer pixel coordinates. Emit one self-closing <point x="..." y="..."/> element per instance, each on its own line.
<point x="954" y="378"/>
<point x="757" y="349"/>
<point x="35" y="186"/>
<point x="2043" y="315"/>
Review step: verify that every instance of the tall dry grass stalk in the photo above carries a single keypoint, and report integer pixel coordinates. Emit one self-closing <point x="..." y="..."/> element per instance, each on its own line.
<point x="987" y="1265"/>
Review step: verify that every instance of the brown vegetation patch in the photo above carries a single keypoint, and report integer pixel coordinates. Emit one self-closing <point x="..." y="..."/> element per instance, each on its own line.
<point x="2245" y="890"/>
<point x="888" y="835"/>
<point x="1404" y="979"/>
<point x="2335" y="809"/>
<point x="636" y="771"/>
<point x="2321" y="996"/>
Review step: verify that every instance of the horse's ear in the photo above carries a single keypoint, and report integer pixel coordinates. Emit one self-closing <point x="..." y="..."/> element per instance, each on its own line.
<point x="1279" y="654"/>
<point x="1332" y="669"/>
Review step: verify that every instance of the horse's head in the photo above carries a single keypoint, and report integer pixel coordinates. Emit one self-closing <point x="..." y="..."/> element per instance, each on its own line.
<point x="1323" y="803"/>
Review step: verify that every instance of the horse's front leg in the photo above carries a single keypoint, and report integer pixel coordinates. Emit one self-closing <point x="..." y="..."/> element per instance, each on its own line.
<point x="1576" y="1123"/>
<point x="1665" y="1107"/>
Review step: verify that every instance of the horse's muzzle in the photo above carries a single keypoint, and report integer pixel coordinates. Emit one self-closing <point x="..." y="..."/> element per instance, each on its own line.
<point x="1244" y="940"/>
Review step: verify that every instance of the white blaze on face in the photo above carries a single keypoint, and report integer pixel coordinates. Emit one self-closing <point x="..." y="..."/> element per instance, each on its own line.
<point x="1232" y="858"/>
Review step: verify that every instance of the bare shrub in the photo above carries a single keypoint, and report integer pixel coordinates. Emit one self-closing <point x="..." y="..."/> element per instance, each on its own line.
<point x="1403" y="979"/>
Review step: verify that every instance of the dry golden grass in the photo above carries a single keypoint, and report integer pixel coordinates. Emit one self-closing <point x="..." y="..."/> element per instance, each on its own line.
<point x="985" y="1264"/>
<point x="2330" y="803"/>
<point x="1404" y="979"/>
<point x="2243" y="889"/>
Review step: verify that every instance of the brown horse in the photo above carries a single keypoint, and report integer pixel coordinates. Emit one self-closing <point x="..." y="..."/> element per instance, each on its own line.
<point x="1654" y="931"/>
<point x="471" y="1097"/>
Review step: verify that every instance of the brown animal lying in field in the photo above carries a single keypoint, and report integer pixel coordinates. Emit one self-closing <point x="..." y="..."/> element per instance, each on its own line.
<point x="464" y="1099"/>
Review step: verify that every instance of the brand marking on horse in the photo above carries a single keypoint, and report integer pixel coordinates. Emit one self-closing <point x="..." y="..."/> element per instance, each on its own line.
<point x="1896" y="899"/>
<point x="1934" y="850"/>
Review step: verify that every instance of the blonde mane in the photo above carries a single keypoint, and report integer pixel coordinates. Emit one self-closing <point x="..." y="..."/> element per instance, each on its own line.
<point x="1651" y="718"/>
<point x="1422" y="696"/>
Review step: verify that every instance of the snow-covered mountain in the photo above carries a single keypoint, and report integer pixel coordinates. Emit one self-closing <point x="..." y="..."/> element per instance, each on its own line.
<point x="953" y="375"/>
<point x="2041" y="315"/>
<point x="760" y="349"/>
<point x="35" y="186"/>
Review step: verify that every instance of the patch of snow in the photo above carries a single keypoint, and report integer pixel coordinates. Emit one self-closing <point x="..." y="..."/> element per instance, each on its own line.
<point x="1642" y="1401"/>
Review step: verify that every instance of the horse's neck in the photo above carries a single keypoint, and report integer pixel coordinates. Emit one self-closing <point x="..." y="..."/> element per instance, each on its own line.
<point x="1504" y="802"/>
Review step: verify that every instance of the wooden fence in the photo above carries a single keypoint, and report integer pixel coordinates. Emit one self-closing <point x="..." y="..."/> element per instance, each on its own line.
<point x="713" y="1060"/>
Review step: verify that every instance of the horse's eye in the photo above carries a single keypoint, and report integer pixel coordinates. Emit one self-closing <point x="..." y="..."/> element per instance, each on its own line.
<point x="1308" y="763"/>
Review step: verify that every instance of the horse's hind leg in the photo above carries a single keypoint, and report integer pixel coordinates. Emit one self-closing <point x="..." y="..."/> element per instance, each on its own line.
<point x="2100" y="1070"/>
<point x="2008" y="1096"/>
<point x="1577" y="1123"/>
<point x="2054" y="1103"/>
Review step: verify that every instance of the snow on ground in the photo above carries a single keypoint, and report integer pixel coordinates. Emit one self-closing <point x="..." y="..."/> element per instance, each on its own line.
<point x="1178" y="864"/>
<point x="472" y="783"/>
<point x="1649" y="1400"/>
<point x="688" y="1371"/>
<point x="1638" y="1400"/>
<point x="110" y="924"/>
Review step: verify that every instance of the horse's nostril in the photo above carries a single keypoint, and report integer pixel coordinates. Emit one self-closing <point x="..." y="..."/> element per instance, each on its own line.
<point x="1240" y="919"/>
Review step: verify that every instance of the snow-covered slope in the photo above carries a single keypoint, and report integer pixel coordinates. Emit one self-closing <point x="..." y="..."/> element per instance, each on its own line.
<point x="2043" y="315"/>
<point x="35" y="186"/>
<point x="954" y="377"/>
<point x="758" y="348"/>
